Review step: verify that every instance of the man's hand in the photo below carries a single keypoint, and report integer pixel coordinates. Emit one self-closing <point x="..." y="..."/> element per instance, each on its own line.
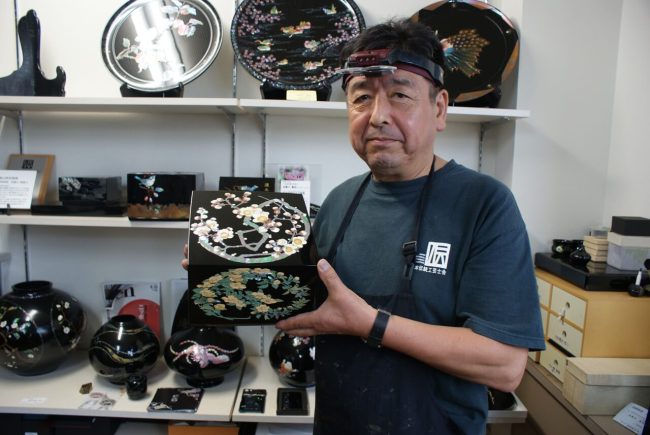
<point x="185" y="262"/>
<point x="343" y="312"/>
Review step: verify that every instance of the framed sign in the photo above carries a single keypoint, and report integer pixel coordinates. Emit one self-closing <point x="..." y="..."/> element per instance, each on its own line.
<point x="42" y="164"/>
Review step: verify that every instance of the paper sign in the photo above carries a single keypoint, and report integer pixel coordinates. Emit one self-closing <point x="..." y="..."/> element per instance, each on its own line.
<point x="632" y="417"/>
<point x="16" y="188"/>
<point x="297" y="186"/>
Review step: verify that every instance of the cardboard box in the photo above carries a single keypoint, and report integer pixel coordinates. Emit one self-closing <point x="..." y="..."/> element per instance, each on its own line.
<point x="627" y="252"/>
<point x="251" y="258"/>
<point x="202" y="428"/>
<point x="603" y="386"/>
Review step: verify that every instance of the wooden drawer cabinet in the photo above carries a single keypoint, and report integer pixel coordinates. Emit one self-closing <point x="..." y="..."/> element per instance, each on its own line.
<point x="597" y="323"/>
<point x="585" y="323"/>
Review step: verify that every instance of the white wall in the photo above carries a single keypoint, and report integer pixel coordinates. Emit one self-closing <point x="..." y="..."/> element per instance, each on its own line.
<point x="628" y="177"/>
<point x="567" y="72"/>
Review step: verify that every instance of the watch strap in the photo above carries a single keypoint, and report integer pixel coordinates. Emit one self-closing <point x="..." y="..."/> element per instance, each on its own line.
<point x="378" y="329"/>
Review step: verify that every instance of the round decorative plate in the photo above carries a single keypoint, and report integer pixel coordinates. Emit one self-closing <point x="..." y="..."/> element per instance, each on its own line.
<point x="481" y="45"/>
<point x="155" y="45"/>
<point x="293" y="45"/>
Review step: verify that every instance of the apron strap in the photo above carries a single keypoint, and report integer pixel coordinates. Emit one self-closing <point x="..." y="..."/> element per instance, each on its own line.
<point x="410" y="248"/>
<point x="331" y="255"/>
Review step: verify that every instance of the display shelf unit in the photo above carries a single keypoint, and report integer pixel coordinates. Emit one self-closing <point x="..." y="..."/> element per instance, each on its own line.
<point x="230" y="106"/>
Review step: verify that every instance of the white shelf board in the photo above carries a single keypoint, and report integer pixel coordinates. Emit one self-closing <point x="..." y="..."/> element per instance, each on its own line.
<point x="258" y="373"/>
<point x="122" y="105"/>
<point x="17" y="218"/>
<point x="483" y="114"/>
<point x="57" y="393"/>
<point x="333" y="109"/>
<point x="336" y="109"/>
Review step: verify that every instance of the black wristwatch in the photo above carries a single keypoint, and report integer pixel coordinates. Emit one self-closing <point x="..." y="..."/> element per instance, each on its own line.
<point x="378" y="328"/>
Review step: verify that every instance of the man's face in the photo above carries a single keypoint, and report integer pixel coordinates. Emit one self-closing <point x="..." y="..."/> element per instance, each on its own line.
<point x="393" y="122"/>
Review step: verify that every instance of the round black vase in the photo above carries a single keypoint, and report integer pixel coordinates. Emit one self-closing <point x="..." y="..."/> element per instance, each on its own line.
<point x="293" y="359"/>
<point x="579" y="257"/>
<point x="123" y="346"/>
<point x="39" y="326"/>
<point x="204" y="354"/>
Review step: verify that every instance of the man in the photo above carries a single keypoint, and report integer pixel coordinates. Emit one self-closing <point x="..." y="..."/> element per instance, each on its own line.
<point x="431" y="291"/>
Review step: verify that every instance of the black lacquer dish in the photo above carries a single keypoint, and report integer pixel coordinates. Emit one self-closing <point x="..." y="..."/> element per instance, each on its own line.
<point x="293" y="45"/>
<point x="157" y="45"/>
<point x="480" y="43"/>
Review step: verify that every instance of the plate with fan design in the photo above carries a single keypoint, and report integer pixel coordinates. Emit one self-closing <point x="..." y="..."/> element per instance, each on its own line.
<point x="294" y="45"/>
<point x="480" y="43"/>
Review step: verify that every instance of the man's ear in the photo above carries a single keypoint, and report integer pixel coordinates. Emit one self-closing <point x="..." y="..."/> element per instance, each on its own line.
<point x="442" y="102"/>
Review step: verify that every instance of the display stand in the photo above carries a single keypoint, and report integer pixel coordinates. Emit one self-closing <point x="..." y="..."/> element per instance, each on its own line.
<point x="28" y="80"/>
<point x="176" y="92"/>
<point x="270" y="92"/>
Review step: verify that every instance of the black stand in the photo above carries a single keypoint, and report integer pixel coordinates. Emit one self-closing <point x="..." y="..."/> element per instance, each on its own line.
<point x="270" y="92"/>
<point x="28" y="80"/>
<point x="176" y="92"/>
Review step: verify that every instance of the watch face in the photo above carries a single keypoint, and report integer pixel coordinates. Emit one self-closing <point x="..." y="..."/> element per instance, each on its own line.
<point x="155" y="45"/>
<point x="294" y="44"/>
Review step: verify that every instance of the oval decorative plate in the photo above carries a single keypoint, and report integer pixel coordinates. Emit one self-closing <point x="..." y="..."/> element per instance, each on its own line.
<point x="155" y="45"/>
<point x="480" y="43"/>
<point x="293" y="45"/>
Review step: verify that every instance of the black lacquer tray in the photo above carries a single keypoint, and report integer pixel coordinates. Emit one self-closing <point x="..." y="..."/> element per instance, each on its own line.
<point x="481" y="45"/>
<point x="157" y="45"/>
<point x="291" y="44"/>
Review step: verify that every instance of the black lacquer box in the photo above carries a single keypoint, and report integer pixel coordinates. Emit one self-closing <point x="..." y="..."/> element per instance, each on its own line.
<point x="251" y="258"/>
<point x="91" y="189"/>
<point x="161" y="195"/>
<point x="593" y="276"/>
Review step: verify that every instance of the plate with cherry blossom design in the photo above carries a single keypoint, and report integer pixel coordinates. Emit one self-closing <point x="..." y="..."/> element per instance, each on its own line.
<point x="293" y="45"/>
<point x="157" y="45"/>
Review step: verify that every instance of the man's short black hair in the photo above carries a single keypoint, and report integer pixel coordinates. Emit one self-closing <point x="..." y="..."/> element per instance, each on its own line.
<point x="403" y="34"/>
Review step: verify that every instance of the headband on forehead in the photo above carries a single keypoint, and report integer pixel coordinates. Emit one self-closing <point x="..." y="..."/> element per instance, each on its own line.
<point x="385" y="61"/>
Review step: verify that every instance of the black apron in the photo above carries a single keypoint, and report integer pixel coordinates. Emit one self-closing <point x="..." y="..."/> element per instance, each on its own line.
<point x="361" y="390"/>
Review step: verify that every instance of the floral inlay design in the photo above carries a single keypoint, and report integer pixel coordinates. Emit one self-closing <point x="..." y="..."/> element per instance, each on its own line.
<point x="244" y="293"/>
<point x="20" y="342"/>
<point x="270" y="230"/>
<point x="294" y="46"/>
<point x="148" y="47"/>
<point x="148" y="185"/>
<point x="201" y="354"/>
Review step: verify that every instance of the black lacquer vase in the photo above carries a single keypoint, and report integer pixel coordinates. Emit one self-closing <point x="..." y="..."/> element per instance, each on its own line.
<point x="204" y="354"/>
<point x="39" y="326"/>
<point x="123" y="346"/>
<point x="293" y="359"/>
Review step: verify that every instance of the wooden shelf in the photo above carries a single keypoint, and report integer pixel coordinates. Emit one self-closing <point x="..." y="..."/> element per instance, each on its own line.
<point x="337" y="109"/>
<point x="88" y="221"/>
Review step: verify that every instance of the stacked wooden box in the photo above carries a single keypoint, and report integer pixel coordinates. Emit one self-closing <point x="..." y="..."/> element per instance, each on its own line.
<point x="597" y="248"/>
